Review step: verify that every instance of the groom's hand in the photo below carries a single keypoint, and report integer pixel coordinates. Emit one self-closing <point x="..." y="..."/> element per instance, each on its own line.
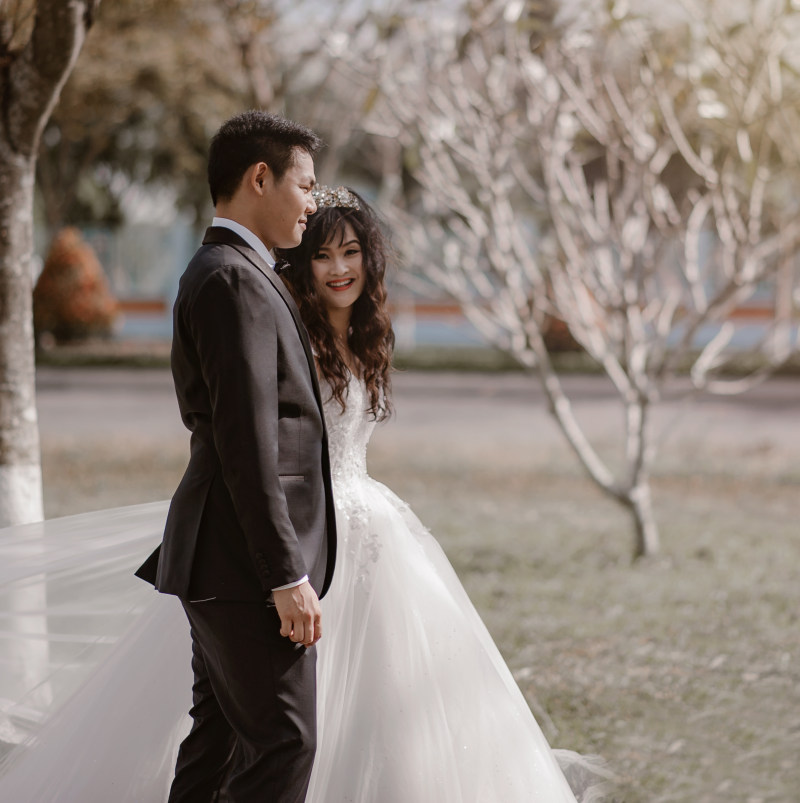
<point x="300" y="613"/>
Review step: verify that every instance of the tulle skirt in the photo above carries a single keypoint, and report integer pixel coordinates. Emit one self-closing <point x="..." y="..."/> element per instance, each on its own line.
<point x="415" y="703"/>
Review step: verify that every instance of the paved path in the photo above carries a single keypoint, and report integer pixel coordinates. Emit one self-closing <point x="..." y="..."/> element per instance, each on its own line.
<point x="468" y="414"/>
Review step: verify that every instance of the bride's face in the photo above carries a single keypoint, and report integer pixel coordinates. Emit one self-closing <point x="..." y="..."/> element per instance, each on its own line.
<point x="338" y="270"/>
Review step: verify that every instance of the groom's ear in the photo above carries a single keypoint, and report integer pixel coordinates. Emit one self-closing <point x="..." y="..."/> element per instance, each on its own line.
<point x="259" y="176"/>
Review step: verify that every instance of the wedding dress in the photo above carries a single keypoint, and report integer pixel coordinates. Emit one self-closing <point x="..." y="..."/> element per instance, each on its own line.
<point x="415" y="703"/>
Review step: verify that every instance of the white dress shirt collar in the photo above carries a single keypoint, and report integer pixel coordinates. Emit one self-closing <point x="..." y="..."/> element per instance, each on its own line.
<point x="251" y="239"/>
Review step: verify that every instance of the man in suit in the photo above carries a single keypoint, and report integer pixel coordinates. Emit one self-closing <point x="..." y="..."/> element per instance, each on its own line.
<point x="250" y="540"/>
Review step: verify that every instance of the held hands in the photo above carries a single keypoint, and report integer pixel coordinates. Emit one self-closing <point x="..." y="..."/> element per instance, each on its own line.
<point x="300" y="614"/>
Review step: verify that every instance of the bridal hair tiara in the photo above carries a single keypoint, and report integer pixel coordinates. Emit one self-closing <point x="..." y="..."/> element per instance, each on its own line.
<point x="335" y="196"/>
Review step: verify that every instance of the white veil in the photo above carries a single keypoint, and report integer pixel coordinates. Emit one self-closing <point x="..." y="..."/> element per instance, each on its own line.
<point x="95" y="677"/>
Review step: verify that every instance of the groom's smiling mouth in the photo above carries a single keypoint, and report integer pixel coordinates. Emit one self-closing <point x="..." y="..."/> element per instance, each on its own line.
<point x="340" y="284"/>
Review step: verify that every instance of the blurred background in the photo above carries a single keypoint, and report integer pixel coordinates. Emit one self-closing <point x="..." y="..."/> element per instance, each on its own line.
<point x="594" y="207"/>
<point x="450" y="115"/>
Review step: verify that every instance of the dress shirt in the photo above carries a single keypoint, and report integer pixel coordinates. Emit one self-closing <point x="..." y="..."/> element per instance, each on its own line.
<point x="255" y="243"/>
<point x="251" y="239"/>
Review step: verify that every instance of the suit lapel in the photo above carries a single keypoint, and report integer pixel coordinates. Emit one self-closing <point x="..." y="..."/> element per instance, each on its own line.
<point x="219" y="234"/>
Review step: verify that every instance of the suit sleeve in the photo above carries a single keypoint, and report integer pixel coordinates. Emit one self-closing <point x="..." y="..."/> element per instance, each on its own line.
<point x="234" y="328"/>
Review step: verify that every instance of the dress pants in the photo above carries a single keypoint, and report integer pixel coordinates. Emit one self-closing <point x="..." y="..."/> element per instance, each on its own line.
<point x="254" y="708"/>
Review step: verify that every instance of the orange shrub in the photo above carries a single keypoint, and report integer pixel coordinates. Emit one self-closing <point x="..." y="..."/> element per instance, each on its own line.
<point x="71" y="300"/>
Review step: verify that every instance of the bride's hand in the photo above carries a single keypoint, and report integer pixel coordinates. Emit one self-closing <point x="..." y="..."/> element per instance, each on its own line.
<point x="300" y="614"/>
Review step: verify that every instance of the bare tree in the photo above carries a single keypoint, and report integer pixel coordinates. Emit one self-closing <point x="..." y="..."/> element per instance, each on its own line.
<point x="39" y="44"/>
<point x="637" y="184"/>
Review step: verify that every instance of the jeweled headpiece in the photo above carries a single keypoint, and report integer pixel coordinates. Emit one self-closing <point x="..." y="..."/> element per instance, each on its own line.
<point x="335" y="196"/>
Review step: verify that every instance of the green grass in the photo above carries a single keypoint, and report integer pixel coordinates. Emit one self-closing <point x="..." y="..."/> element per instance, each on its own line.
<point x="683" y="671"/>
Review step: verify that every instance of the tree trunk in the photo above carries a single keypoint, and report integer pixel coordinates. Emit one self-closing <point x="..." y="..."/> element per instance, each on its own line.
<point x="20" y="465"/>
<point x="638" y="497"/>
<point x="31" y="80"/>
<point x="30" y="83"/>
<point x="646" y="543"/>
<point x="20" y="471"/>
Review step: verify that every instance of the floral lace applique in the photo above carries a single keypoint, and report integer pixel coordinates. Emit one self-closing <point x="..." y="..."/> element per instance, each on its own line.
<point x="349" y="431"/>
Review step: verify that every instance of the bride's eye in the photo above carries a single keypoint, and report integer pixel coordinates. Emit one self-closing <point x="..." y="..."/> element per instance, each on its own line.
<point x="352" y="252"/>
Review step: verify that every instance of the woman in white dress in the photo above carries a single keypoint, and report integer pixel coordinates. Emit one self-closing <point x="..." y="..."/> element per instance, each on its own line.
<point x="415" y="703"/>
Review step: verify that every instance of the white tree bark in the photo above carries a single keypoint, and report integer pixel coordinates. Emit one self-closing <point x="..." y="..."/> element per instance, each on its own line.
<point x="20" y="472"/>
<point x="38" y="54"/>
<point x="20" y="493"/>
<point x="36" y="58"/>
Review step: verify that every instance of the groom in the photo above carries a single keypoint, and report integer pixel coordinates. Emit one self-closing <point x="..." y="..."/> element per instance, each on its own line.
<point x="250" y="538"/>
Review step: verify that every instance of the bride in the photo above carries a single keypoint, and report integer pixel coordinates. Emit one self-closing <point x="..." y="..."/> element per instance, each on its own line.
<point x="415" y="703"/>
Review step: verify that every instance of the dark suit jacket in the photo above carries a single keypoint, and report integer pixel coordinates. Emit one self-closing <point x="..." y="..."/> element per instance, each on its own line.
<point x="254" y="509"/>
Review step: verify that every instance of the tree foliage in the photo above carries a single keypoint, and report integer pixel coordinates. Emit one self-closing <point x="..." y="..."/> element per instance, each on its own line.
<point x="154" y="82"/>
<point x="151" y="84"/>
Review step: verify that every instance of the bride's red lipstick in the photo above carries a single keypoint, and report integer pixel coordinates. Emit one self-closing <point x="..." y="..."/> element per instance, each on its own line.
<point x="337" y="287"/>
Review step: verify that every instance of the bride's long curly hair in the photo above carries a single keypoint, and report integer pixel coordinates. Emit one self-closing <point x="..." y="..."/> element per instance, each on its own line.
<point x="370" y="337"/>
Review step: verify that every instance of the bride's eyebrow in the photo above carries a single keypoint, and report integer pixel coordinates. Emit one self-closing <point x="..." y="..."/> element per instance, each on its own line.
<point x="329" y="244"/>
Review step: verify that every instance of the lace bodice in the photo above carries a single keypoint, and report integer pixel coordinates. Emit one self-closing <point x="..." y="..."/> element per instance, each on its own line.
<point x="349" y="432"/>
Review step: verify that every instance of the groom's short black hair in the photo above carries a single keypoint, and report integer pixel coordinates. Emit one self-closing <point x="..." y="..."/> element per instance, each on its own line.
<point x="250" y="137"/>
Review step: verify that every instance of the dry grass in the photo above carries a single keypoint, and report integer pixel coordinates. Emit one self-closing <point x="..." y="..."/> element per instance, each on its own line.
<point x="683" y="672"/>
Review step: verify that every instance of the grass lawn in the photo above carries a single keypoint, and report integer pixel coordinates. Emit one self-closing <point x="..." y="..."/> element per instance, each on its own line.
<point x="683" y="672"/>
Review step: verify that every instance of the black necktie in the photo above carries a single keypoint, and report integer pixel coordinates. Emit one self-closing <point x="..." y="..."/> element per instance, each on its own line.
<point x="281" y="265"/>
